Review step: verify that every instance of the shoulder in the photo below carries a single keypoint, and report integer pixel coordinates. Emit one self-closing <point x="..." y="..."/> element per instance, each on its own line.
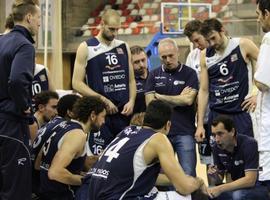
<point x="247" y="142"/>
<point x="245" y="43"/>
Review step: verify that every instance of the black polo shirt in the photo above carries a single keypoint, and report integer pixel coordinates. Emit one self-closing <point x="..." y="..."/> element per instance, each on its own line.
<point x="172" y="82"/>
<point x="245" y="157"/>
<point x="140" y="105"/>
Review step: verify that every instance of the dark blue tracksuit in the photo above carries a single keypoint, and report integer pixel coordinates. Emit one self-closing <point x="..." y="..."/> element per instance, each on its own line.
<point x="17" y="61"/>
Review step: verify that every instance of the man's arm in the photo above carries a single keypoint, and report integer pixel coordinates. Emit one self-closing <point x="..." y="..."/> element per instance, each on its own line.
<point x="21" y="76"/>
<point x="247" y="181"/>
<point x="250" y="52"/>
<point x="202" y="99"/>
<point x="186" y="98"/>
<point x="149" y="97"/>
<point x="72" y="145"/>
<point x="128" y="107"/>
<point x="262" y="87"/>
<point x="78" y="79"/>
<point x="160" y="147"/>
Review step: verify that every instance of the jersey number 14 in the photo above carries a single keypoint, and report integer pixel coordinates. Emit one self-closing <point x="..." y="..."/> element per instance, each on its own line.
<point x="112" y="151"/>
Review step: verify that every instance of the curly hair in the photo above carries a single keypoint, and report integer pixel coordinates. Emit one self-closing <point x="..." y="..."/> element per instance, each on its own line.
<point x="85" y="106"/>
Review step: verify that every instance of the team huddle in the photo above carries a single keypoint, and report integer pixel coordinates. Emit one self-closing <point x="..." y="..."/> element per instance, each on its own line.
<point x="130" y="133"/>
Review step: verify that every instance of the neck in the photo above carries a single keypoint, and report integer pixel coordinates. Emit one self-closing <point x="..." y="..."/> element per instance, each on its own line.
<point x="39" y="118"/>
<point x="231" y="147"/>
<point x="101" y="39"/>
<point x="225" y="44"/>
<point x="144" y="75"/>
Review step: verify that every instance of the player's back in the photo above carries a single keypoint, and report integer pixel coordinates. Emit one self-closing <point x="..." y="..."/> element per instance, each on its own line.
<point x="121" y="172"/>
<point x="50" y="188"/>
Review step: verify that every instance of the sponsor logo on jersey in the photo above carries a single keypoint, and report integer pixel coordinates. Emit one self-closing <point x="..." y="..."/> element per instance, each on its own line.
<point x="105" y="79"/>
<point x="177" y="82"/>
<point x="112" y="68"/>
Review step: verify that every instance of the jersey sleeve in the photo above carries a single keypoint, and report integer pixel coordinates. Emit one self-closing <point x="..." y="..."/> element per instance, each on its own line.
<point x="251" y="156"/>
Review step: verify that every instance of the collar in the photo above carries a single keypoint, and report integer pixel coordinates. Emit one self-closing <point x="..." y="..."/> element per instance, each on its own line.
<point x="177" y="69"/>
<point x="137" y="77"/>
<point x="23" y="31"/>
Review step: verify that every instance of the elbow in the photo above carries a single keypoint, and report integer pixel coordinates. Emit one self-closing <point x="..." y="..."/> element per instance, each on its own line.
<point x="75" y="84"/>
<point x="251" y="182"/>
<point x="188" y="188"/>
<point x="53" y="174"/>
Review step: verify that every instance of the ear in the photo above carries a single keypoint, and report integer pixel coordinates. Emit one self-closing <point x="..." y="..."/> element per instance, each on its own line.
<point x="41" y="107"/>
<point x="28" y="17"/>
<point x="234" y="131"/>
<point x="267" y="13"/>
<point x="93" y="116"/>
<point x="168" y="126"/>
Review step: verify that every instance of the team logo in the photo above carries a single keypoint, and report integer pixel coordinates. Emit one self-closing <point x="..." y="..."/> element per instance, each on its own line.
<point x="119" y="50"/>
<point x="42" y="77"/>
<point x="238" y="162"/>
<point x="21" y="161"/>
<point x="234" y="57"/>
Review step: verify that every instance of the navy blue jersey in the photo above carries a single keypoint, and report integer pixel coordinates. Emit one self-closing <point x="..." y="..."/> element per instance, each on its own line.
<point x="121" y="172"/>
<point x="40" y="81"/>
<point x="172" y="83"/>
<point x="107" y="70"/>
<point x="245" y="157"/>
<point x="229" y="78"/>
<point x="98" y="141"/>
<point x="53" y="188"/>
<point x="140" y="105"/>
<point x="43" y="134"/>
<point x="17" y="61"/>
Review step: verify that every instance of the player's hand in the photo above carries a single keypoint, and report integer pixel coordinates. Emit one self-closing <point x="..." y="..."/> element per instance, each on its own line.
<point x="214" y="191"/>
<point x="250" y="104"/>
<point x="128" y="108"/>
<point x="110" y="107"/>
<point x="199" y="134"/>
<point x="212" y="169"/>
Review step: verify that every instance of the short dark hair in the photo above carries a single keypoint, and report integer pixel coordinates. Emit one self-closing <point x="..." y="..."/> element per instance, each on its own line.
<point x="263" y="5"/>
<point x="157" y="114"/>
<point x="44" y="97"/>
<point x="85" y="106"/>
<point x="9" y="24"/>
<point x="66" y="103"/>
<point x="21" y="8"/>
<point x="226" y="120"/>
<point x="136" y="49"/>
<point x="210" y="25"/>
<point x="192" y="26"/>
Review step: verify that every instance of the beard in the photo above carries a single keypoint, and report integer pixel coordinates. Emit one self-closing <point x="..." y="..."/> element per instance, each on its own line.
<point x="94" y="128"/>
<point x="108" y="38"/>
<point x="139" y="72"/>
